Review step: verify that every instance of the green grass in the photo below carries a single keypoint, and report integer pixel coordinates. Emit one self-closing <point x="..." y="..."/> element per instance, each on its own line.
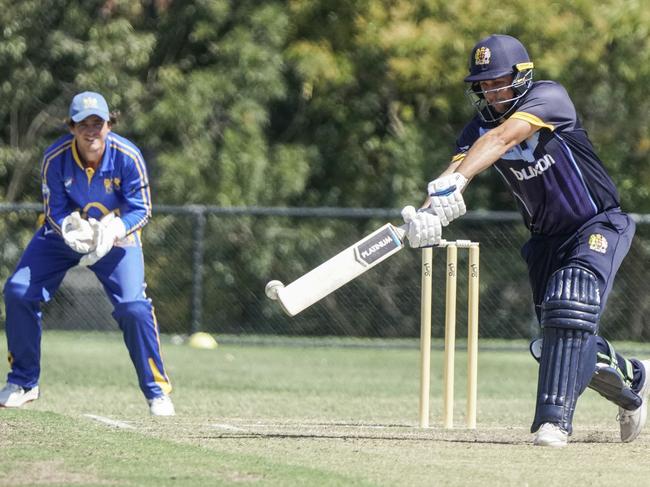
<point x="296" y="415"/>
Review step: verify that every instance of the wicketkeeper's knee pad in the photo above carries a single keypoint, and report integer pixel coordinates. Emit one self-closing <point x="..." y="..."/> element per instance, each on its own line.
<point x="569" y="320"/>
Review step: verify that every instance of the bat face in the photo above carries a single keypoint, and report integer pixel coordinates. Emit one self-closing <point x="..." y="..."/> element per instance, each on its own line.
<point x="341" y="269"/>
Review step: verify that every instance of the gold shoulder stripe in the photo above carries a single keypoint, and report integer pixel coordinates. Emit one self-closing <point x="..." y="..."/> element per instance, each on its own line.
<point x="44" y="176"/>
<point x="77" y="159"/>
<point x="533" y="120"/>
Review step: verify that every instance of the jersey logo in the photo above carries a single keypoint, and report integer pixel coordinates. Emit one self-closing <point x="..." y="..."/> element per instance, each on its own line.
<point x="482" y="56"/>
<point x="68" y="182"/>
<point x="111" y="184"/>
<point x="598" y="243"/>
<point x="535" y="170"/>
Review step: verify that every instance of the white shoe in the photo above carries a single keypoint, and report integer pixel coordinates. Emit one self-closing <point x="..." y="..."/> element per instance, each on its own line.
<point x="632" y="422"/>
<point x="161" y="406"/>
<point x="14" y="396"/>
<point x="550" y="434"/>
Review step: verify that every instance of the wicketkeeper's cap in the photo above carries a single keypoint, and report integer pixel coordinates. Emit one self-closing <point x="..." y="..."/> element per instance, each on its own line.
<point x="86" y="104"/>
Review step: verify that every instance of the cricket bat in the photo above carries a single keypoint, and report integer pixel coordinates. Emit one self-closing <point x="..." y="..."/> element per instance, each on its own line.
<point x="339" y="270"/>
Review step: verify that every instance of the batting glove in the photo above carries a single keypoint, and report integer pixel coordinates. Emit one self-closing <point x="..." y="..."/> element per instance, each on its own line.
<point x="107" y="231"/>
<point x="78" y="233"/>
<point x="446" y="197"/>
<point x="424" y="228"/>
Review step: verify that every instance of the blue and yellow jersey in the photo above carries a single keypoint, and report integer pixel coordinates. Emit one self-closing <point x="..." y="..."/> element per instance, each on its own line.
<point x="556" y="177"/>
<point x="120" y="184"/>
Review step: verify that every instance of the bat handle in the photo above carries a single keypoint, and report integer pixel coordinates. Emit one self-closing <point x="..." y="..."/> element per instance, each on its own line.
<point x="401" y="231"/>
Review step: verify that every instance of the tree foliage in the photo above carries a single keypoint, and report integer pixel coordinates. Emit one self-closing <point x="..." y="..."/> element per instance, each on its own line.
<point x="49" y="50"/>
<point x="309" y="102"/>
<point x="305" y="103"/>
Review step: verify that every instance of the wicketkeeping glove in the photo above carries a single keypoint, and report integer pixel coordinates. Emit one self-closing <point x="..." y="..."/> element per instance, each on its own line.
<point x="424" y="228"/>
<point x="446" y="197"/>
<point x="107" y="231"/>
<point x="78" y="233"/>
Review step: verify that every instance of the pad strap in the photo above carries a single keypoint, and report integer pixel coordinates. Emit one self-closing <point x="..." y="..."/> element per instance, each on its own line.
<point x="608" y="382"/>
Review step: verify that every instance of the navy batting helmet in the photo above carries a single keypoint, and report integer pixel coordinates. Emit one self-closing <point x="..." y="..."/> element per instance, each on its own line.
<point x="494" y="57"/>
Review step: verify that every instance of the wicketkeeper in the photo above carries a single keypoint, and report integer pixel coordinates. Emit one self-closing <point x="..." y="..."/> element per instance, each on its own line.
<point x="530" y="133"/>
<point x="96" y="200"/>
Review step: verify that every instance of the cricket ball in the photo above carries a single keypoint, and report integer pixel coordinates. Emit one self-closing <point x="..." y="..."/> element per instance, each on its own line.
<point x="272" y="288"/>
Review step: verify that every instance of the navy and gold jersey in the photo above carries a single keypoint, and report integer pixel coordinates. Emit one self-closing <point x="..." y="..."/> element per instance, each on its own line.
<point x="120" y="184"/>
<point x="556" y="177"/>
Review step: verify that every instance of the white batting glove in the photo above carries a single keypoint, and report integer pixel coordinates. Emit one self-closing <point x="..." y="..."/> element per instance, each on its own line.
<point x="107" y="231"/>
<point x="424" y="228"/>
<point x="446" y="197"/>
<point x="78" y="233"/>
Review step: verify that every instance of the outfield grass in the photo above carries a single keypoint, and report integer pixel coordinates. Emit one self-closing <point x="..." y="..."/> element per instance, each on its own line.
<point x="289" y="415"/>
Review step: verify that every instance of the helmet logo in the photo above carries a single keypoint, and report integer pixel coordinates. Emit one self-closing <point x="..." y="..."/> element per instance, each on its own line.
<point x="482" y="56"/>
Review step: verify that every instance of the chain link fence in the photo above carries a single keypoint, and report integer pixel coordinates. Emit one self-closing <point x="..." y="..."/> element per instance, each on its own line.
<point x="206" y="268"/>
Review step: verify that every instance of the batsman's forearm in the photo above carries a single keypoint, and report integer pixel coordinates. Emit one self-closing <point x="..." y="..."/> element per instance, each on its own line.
<point x="492" y="145"/>
<point x="451" y="168"/>
<point x="483" y="154"/>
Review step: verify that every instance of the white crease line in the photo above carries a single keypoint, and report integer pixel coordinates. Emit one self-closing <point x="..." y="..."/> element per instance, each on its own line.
<point x="321" y="426"/>
<point x="405" y="427"/>
<point x="223" y="426"/>
<point x="109" y="421"/>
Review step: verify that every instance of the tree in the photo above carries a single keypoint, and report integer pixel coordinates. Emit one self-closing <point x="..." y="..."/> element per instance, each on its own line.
<point x="50" y="50"/>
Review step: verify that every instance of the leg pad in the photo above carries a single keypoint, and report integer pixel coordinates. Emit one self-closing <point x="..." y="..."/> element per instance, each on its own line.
<point x="569" y="320"/>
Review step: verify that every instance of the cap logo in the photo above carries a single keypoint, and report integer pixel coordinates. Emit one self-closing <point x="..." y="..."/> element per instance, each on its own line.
<point x="90" y="102"/>
<point x="482" y="56"/>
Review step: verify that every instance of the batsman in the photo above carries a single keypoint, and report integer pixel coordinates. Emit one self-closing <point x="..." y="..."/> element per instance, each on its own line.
<point x="530" y="133"/>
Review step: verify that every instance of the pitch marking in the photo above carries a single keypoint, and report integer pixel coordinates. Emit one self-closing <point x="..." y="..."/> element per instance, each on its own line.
<point x="228" y="427"/>
<point x="109" y="421"/>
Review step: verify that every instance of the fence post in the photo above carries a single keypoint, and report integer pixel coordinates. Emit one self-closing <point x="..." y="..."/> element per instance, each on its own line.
<point x="198" y="247"/>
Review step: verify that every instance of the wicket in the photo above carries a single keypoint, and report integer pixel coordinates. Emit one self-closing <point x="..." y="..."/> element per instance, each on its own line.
<point x="450" y="332"/>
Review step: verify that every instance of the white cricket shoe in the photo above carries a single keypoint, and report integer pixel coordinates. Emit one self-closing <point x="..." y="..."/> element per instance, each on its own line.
<point x="550" y="434"/>
<point x="161" y="406"/>
<point x="14" y="396"/>
<point x="632" y="422"/>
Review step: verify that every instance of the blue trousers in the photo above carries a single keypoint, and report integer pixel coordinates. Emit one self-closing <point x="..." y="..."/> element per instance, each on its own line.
<point x="599" y="246"/>
<point x="39" y="274"/>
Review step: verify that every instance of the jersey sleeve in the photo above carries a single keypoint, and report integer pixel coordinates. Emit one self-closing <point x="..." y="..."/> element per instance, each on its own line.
<point x="466" y="139"/>
<point x="136" y="192"/>
<point x="56" y="203"/>
<point x="547" y="105"/>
